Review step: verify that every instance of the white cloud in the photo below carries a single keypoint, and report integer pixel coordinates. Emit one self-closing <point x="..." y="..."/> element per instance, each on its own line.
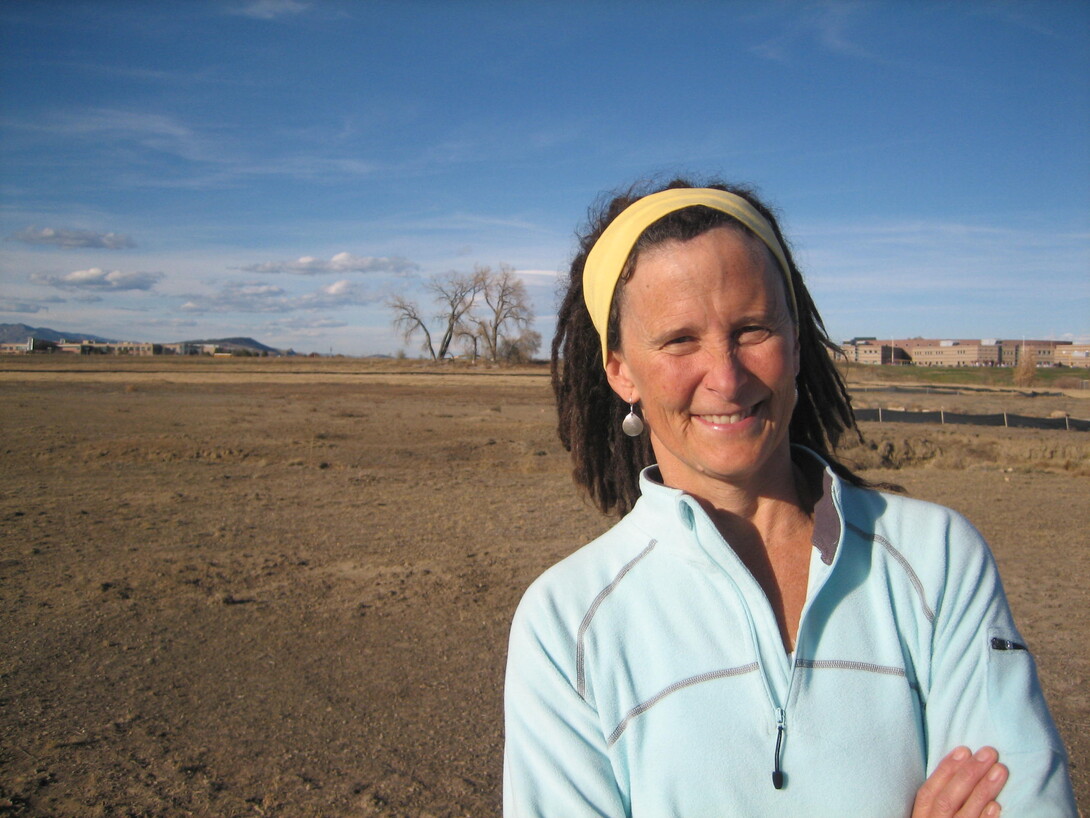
<point x="340" y="263"/>
<point x="98" y="279"/>
<point x="540" y="276"/>
<point x="338" y="288"/>
<point x="70" y="237"/>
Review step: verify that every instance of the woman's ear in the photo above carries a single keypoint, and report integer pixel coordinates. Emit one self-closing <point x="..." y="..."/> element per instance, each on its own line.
<point x="619" y="378"/>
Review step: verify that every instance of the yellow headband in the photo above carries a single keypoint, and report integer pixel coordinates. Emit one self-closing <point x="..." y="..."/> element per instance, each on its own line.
<point x="607" y="258"/>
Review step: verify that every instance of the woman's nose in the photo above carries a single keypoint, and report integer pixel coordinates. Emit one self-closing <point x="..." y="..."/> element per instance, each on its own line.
<point x="726" y="371"/>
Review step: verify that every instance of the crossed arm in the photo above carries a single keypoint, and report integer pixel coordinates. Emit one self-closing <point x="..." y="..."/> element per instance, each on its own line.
<point x="964" y="785"/>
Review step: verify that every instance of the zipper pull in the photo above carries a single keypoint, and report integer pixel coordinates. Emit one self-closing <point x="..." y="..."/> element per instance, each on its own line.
<point x="1006" y="644"/>
<point x="777" y="773"/>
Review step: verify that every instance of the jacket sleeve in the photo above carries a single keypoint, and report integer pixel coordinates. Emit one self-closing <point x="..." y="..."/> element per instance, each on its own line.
<point x="984" y="688"/>
<point x="555" y="760"/>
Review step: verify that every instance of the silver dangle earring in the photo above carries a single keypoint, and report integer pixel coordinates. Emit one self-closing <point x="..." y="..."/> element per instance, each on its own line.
<point x="632" y="425"/>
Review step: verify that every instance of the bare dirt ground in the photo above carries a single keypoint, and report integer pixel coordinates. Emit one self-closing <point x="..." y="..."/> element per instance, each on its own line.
<point x="283" y="588"/>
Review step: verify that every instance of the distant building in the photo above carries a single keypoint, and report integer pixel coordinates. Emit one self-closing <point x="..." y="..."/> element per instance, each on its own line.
<point x="955" y="352"/>
<point x="79" y="347"/>
<point x="82" y="347"/>
<point x="21" y="347"/>
<point x="181" y="349"/>
<point x="873" y="351"/>
<point x="1042" y="352"/>
<point x="1072" y="355"/>
<point x="137" y="348"/>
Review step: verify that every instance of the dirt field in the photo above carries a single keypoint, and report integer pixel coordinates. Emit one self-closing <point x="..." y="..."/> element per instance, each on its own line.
<point x="283" y="588"/>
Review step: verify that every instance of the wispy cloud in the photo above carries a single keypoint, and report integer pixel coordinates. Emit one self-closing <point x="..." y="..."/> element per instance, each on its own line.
<point x="305" y="325"/>
<point x="270" y="9"/>
<point x="340" y="263"/>
<point x="97" y="279"/>
<point x="1024" y="16"/>
<point x="70" y="237"/>
<point x="826" y="23"/>
<point x="940" y="260"/>
<point x="254" y="297"/>
<point x="24" y="307"/>
<point x="160" y="150"/>
<point x="101" y="126"/>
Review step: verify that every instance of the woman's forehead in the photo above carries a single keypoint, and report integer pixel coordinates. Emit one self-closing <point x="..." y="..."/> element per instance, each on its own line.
<point x="732" y="235"/>
<point x="722" y="257"/>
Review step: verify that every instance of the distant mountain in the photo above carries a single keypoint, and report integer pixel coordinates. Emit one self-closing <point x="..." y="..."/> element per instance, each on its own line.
<point x="238" y="343"/>
<point x="18" y="333"/>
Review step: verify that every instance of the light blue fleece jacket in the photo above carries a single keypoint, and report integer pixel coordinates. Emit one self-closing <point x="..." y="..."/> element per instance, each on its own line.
<point x="646" y="675"/>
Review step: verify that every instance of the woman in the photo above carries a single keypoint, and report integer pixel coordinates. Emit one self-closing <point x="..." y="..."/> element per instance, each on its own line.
<point x="762" y="633"/>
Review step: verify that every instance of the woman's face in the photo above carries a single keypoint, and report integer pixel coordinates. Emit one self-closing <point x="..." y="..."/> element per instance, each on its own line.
<point x="709" y="350"/>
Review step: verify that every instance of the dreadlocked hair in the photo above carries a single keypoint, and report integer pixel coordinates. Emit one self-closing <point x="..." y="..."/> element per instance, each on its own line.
<point x="605" y="461"/>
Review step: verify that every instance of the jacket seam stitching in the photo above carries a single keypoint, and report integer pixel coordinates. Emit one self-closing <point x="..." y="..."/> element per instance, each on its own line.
<point x="848" y="664"/>
<point x="900" y="559"/>
<point x="580" y="672"/>
<point x="644" y="706"/>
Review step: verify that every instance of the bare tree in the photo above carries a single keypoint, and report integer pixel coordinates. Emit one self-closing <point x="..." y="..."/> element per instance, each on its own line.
<point x="520" y="350"/>
<point x="502" y="322"/>
<point x="407" y="319"/>
<point x="456" y="293"/>
<point x="470" y="339"/>
<point x="507" y="311"/>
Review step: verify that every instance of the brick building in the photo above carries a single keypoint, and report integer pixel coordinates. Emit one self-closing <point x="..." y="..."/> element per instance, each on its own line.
<point x="955" y="352"/>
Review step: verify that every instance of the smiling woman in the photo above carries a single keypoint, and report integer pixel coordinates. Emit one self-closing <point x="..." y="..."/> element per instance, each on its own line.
<point x="711" y="358"/>
<point x="763" y="632"/>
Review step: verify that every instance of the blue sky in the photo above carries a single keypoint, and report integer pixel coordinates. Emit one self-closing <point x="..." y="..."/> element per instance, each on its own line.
<point x="279" y="168"/>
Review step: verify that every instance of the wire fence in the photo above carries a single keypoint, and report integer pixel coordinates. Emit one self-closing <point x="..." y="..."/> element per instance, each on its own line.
<point x="959" y="390"/>
<point x="1005" y="419"/>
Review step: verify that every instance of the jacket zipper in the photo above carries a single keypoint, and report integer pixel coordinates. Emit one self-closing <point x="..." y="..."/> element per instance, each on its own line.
<point x="777" y="773"/>
<point x="1006" y="644"/>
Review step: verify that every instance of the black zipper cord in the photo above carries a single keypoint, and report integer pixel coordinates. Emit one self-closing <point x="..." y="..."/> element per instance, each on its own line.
<point x="777" y="773"/>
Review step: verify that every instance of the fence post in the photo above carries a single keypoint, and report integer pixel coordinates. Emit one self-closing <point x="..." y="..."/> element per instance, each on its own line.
<point x="1004" y="420"/>
<point x="879" y="414"/>
<point x="1067" y="422"/>
<point x="942" y="417"/>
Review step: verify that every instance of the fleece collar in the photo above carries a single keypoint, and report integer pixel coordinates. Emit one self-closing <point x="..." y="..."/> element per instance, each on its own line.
<point x="658" y="499"/>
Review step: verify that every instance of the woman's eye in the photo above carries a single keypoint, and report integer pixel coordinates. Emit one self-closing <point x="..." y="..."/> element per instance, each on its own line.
<point x="681" y="339"/>
<point x="753" y="335"/>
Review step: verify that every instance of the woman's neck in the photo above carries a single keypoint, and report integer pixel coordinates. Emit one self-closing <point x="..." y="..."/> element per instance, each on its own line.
<point x="771" y="531"/>
<point x="778" y="496"/>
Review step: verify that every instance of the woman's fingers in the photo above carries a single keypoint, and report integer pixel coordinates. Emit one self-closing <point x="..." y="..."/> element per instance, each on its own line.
<point x="981" y="800"/>
<point x="964" y="785"/>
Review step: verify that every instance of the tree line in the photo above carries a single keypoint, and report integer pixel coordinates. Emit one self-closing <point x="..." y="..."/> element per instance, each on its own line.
<point x="486" y="313"/>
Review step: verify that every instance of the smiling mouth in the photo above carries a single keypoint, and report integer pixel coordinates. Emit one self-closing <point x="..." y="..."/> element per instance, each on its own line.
<point x="724" y="420"/>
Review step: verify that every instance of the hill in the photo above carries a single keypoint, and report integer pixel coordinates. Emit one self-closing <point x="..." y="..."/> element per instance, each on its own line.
<point x="240" y="344"/>
<point x="17" y="333"/>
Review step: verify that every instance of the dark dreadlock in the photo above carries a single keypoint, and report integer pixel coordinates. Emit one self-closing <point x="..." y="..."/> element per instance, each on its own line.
<point x="606" y="462"/>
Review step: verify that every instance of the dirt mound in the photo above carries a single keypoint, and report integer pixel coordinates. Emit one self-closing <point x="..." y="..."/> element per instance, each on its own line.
<point x="899" y="445"/>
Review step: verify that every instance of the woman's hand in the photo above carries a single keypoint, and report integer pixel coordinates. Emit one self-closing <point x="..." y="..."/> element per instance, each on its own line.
<point x="964" y="785"/>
